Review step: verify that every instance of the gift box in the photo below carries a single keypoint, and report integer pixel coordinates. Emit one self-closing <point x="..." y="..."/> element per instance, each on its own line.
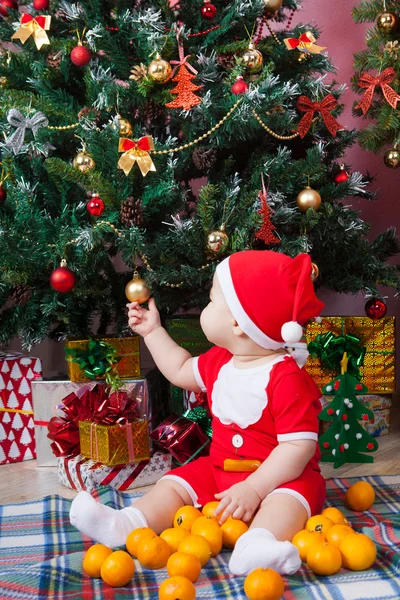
<point x="123" y="443"/>
<point x="378" y="338"/>
<point x="17" y="440"/>
<point x="183" y="438"/>
<point x="128" y="365"/>
<point x="186" y="332"/>
<point x="380" y="406"/>
<point x="79" y="473"/>
<point x="47" y="399"/>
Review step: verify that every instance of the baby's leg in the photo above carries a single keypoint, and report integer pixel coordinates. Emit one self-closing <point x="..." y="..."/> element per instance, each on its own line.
<point x="266" y="544"/>
<point x="111" y="527"/>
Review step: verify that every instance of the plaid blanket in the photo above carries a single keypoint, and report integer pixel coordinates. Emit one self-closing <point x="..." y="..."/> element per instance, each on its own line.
<point x="41" y="555"/>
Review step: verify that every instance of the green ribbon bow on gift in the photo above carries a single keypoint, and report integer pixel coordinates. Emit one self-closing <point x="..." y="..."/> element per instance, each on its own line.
<point x="330" y="348"/>
<point x="99" y="360"/>
<point x="200" y="416"/>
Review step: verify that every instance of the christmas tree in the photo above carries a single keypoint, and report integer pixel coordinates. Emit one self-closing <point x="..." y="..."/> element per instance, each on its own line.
<point x="345" y="440"/>
<point x="377" y="76"/>
<point x="98" y="162"/>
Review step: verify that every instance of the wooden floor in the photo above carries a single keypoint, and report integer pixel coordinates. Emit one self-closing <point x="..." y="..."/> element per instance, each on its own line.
<point x="21" y="482"/>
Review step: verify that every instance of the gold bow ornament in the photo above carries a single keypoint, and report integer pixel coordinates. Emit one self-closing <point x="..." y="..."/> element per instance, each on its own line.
<point x="136" y="151"/>
<point x="305" y="43"/>
<point x="35" y="27"/>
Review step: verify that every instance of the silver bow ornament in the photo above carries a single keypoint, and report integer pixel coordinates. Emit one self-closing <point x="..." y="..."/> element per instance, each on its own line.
<point x="17" y="119"/>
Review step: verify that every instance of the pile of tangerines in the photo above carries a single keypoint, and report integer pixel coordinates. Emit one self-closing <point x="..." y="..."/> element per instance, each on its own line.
<point x="327" y="543"/>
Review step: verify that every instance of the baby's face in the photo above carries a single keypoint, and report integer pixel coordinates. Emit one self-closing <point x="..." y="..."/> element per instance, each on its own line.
<point x="216" y="320"/>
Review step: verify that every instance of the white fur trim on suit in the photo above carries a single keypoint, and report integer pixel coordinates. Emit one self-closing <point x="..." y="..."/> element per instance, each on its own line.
<point x="186" y="486"/>
<point x="245" y="323"/>
<point x="196" y="373"/>
<point x="297" y="435"/>
<point x="299" y="497"/>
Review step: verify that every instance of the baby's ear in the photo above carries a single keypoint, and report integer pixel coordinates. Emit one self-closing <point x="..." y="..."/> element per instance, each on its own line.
<point x="236" y="330"/>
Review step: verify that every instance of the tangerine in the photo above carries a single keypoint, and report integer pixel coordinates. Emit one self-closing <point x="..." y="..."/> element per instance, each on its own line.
<point x="173" y="536"/>
<point x="264" y="584"/>
<point x="360" y="496"/>
<point x="153" y="553"/>
<point x="232" y="529"/>
<point x="335" y="515"/>
<point x="177" y="588"/>
<point x="197" y="545"/>
<point x="118" y="569"/>
<point x="358" y="552"/>
<point x="208" y="528"/>
<point x="186" y="516"/>
<point x="319" y="523"/>
<point x="336" y="534"/>
<point x="208" y="509"/>
<point x="324" y="559"/>
<point x="94" y="558"/>
<point x="187" y="565"/>
<point x="136" y="536"/>
<point x="304" y="539"/>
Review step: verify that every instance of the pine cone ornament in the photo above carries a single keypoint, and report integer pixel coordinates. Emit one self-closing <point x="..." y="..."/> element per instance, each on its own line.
<point x="89" y="112"/>
<point x="138" y="72"/>
<point x="54" y="59"/>
<point x="226" y="61"/>
<point x="204" y="158"/>
<point x="152" y="111"/>
<point x="20" y="294"/>
<point x="131" y="211"/>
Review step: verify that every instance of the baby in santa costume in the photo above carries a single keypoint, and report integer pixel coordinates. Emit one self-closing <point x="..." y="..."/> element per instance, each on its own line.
<point x="263" y="462"/>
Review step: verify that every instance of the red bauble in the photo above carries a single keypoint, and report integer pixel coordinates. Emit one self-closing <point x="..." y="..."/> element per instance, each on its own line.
<point x="326" y="444"/>
<point x="5" y="5"/>
<point x="341" y="176"/>
<point x="41" y="4"/>
<point x="375" y="308"/>
<point x="370" y="446"/>
<point x="3" y="193"/>
<point x="81" y="56"/>
<point x="240" y="86"/>
<point x="208" y="10"/>
<point x="62" y="280"/>
<point x="95" y="206"/>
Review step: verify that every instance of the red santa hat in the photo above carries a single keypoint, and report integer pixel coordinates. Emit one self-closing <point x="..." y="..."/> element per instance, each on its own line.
<point x="270" y="295"/>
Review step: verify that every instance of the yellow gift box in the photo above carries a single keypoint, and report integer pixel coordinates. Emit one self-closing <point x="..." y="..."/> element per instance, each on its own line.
<point x="128" y="366"/>
<point x="118" y="444"/>
<point x="378" y="337"/>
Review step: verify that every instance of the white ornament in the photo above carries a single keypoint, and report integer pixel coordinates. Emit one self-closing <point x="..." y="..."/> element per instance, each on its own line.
<point x="333" y="452"/>
<point x="337" y="436"/>
<point x="346" y="446"/>
<point x="358" y="436"/>
<point x="347" y="427"/>
<point x="24" y="388"/>
<point x="17" y="422"/>
<point x="346" y="400"/>
<point x="350" y="405"/>
<point x="12" y="401"/>
<point x="14" y="451"/>
<point x="328" y="388"/>
<point x="338" y="412"/>
<point x="25" y="437"/>
<point x="16" y="372"/>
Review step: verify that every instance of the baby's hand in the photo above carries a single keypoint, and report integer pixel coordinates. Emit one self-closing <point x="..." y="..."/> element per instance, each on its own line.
<point x="141" y="320"/>
<point x="239" y="501"/>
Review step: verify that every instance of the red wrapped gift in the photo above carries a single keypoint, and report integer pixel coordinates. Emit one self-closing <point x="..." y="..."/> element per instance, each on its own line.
<point x="184" y="439"/>
<point x="17" y="437"/>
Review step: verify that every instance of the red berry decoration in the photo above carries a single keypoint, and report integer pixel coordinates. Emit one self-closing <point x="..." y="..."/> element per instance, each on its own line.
<point x="41" y="4"/>
<point x="342" y="448"/>
<point x="365" y="418"/>
<point x="370" y="446"/>
<point x="341" y="176"/>
<point x="375" y="308"/>
<point x="344" y="417"/>
<point x="330" y="411"/>
<point x="359" y="387"/>
<point x="208" y="10"/>
<point x="63" y="279"/>
<point x="3" y="194"/>
<point x="240" y="86"/>
<point x="5" y="5"/>
<point x="336" y="385"/>
<point x="81" y="56"/>
<point x="95" y="206"/>
<point x="326" y="444"/>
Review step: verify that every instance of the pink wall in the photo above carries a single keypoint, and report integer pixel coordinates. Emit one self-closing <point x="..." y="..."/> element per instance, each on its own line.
<point x="343" y="38"/>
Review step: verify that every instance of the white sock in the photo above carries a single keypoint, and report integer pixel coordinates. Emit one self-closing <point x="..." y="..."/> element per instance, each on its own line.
<point x="258" y="548"/>
<point x="104" y="524"/>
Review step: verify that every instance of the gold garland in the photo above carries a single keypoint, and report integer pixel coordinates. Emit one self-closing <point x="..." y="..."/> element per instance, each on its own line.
<point x="268" y="130"/>
<point x="63" y="127"/>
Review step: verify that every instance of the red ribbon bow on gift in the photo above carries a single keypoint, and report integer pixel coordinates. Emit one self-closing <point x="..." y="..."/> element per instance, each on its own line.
<point x="136" y="151"/>
<point x="367" y="81"/>
<point x="35" y="26"/>
<point x="309" y="107"/>
<point x="304" y="43"/>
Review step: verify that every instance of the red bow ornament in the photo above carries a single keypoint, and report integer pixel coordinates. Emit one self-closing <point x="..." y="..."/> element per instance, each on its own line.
<point x="367" y="81"/>
<point x="309" y="107"/>
<point x="305" y="43"/>
<point x="35" y="27"/>
<point x="136" y="152"/>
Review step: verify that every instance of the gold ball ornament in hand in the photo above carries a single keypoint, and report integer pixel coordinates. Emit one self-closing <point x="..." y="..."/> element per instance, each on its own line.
<point x="253" y="60"/>
<point x="159" y="70"/>
<point x="308" y="198"/>
<point x="83" y="162"/>
<point x="387" y="22"/>
<point x="136" y="290"/>
<point x="217" y="242"/>
<point x="392" y="158"/>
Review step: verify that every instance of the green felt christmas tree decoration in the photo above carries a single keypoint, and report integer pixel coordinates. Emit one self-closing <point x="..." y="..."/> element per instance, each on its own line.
<point x="346" y="441"/>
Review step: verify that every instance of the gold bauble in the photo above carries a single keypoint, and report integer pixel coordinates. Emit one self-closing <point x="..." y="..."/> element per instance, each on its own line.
<point x="314" y="271"/>
<point x="308" y="198"/>
<point x="125" y="128"/>
<point x="217" y="241"/>
<point x="392" y="158"/>
<point x="253" y="60"/>
<point x="272" y="5"/>
<point x="136" y="290"/>
<point x="387" y="22"/>
<point x="159" y="70"/>
<point x="83" y="162"/>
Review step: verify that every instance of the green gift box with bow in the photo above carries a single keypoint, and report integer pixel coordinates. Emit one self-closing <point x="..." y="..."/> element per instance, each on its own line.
<point x="106" y="358"/>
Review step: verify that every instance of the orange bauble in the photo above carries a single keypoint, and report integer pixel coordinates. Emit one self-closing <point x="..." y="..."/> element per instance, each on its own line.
<point x="211" y="531"/>
<point x="264" y="584"/>
<point x="186" y="516"/>
<point x="177" y="588"/>
<point x="304" y="539"/>
<point x="335" y="515"/>
<point x="136" y="536"/>
<point x="186" y="565"/>
<point x="118" y="569"/>
<point x="198" y="546"/>
<point x="318" y="523"/>
<point x="173" y="536"/>
<point x="360" y="496"/>
<point x="153" y="553"/>
<point x="208" y="509"/>
<point x="324" y="559"/>
<point x="232" y="529"/>
<point x="358" y="552"/>
<point x="336" y="534"/>
<point x="94" y="558"/>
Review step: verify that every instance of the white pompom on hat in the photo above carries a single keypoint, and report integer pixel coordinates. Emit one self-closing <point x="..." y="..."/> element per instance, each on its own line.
<point x="270" y="294"/>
